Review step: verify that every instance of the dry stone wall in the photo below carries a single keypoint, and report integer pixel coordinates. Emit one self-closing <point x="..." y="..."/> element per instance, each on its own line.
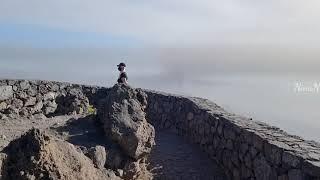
<point x="30" y="98"/>
<point x="245" y="148"/>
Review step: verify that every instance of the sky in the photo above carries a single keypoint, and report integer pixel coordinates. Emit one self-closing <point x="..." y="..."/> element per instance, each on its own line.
<point x="43" y="39"/>
<point x="243" y="54"/>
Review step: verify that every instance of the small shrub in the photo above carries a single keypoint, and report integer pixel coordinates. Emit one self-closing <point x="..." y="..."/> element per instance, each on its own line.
<point x="92" y="110"/>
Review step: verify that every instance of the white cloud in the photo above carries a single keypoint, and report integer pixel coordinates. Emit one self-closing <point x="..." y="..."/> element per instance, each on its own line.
<point x="195" y="36"/>
<point x="176" y="21"/>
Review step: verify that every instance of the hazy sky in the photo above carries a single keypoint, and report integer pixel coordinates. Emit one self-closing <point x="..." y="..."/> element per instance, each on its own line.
<point x="219" y="49"/>
<point x="170" y="22"/>
<point x="171" y="36"/>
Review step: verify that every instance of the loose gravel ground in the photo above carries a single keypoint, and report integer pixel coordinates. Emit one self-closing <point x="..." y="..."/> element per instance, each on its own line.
<point x="173" y="158"/>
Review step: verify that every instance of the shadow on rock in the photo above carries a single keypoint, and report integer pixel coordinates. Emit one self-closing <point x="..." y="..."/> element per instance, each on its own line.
<point x="87" y="134"/>
<point x="83" y="131"/>
<point x="36" y="155"/>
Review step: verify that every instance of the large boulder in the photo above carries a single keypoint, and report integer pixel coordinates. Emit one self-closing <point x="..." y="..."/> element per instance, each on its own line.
<point x="124" y="120"/>
<point x="38" y="156"/>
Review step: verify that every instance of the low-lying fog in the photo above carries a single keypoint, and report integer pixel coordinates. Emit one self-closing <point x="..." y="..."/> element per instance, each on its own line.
<point x="269" y="86"/>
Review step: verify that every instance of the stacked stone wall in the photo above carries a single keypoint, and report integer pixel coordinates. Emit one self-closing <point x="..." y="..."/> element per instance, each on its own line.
<point x="30" y="98"/>
<point x="245" y="148"/>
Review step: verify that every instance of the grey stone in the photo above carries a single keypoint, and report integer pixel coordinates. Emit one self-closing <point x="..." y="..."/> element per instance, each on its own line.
<point x="247" y="136"/>
<point x="257" y="142"/>
<point x="24" y="112"/>
<point x="229" y="134"/>
<point x="17" y="103"/>
<point x="11" y="82"/>
<point x="216" y="142"/>
<point x="290" y="159"/>
<point x="50" y="107"/>
<point x="235" y="159"/>
<point x="229" y="144"/>
<point x="295" y="174"/>
<point x="6" y="92"/>
<point x="190" y="116"/>
<point x="3" y="83"/>
<point x="273" y="153"/>
<point x="3" y="158"/>
<point x="220" y="129"/>
<point x="38" y="107"/>
<point x="11" y="111"/>
<point x="49" y="96"/>
<point x="119" y="172"/>
<point x="3" y="106"/>
<point x="262" y="169"/>
<point x="243" y="148"/>
<point x="312" y="168"/>
<point x="114" y="159"/>
<point x="43" y="89"/>
<point x="39" y="116"/>
<point x="39" y="97"/>
<point x="3" y="116"/>
<point x="55" y="87"/>
<point x="283" y="177"/>
<point x="248" y="161"/>
<point x="213" y="129"/>
<point x="281" y="145"/>
<point x="236" y="174"/>
<point x="32" y="91"/>
<point x="22" y="95"/>
<point x="31" y="101"/>
<point x="99" y="156"/>
<point x="15" y="88"/>
<point x="245" y="172"/>
<point x="24" y="85"/>
<point x="253" y="152"/>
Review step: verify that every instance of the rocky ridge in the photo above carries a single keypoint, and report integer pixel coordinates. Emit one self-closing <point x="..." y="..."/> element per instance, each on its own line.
<point x="51" y="154"/>
<point x="245" y="148"/>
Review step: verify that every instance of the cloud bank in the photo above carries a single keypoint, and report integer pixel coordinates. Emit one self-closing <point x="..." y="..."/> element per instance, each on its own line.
<point x="180" y="38"/>
<point x="177" y="22"/>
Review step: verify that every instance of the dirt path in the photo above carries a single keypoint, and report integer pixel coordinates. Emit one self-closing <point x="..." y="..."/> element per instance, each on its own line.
<point x="11" y="129"/>
<point x="174" y="158"/>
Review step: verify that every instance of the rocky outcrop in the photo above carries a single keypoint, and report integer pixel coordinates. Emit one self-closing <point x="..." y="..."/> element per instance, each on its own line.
<point x="123" y="117"/>
<point x="38" y="156"/>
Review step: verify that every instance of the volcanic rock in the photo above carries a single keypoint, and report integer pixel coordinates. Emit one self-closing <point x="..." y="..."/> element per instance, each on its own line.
<point x="38" y="156"/>
<point x="123" y="116"/>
